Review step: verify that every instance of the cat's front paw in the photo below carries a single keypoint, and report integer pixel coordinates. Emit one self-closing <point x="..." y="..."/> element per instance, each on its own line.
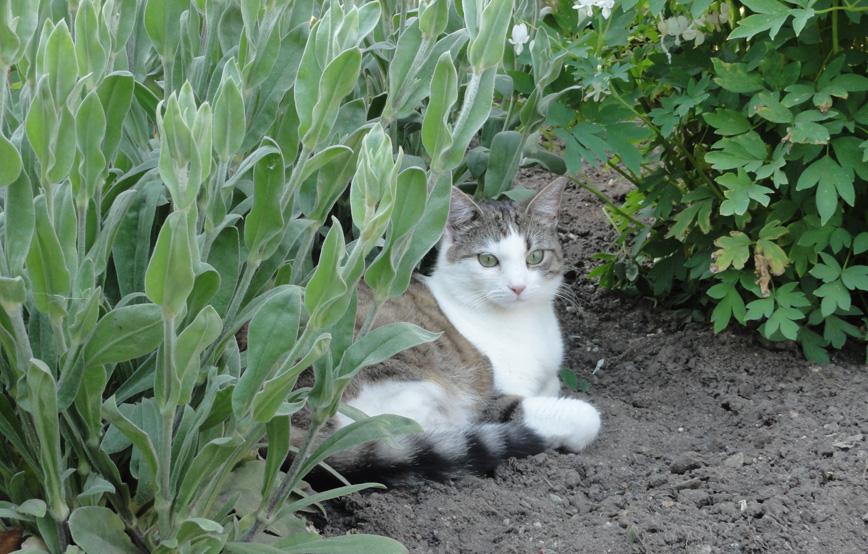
<point x="563" y="422"/>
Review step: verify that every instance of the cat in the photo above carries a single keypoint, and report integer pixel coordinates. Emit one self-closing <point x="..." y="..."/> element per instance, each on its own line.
<point x="488" y="388"/>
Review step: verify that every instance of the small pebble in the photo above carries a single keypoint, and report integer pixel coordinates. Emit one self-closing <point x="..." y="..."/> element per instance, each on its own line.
<point x="735" y="461"/>
<point x="572" y="478"/>
<point x="686" y="462"/>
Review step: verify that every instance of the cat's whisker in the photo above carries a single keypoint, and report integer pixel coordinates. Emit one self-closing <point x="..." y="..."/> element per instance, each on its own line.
<point x="568" y="296"/>
<point x="477" y="299"/>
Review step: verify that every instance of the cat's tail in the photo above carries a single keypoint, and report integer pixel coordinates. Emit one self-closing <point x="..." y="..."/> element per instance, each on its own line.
<point x="540" y="423"/>
<point x="437" y="455"/>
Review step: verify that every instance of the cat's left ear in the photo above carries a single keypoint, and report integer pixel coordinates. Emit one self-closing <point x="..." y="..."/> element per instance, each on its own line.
<point x="546" y="203"/>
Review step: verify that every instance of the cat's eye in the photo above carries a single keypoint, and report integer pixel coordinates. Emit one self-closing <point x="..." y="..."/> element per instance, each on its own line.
<point x="535" y="257"/>
<point x="487" y="260"/>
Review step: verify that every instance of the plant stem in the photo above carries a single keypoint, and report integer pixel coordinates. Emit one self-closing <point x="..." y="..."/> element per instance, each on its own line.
<point x="678" y="143"/>
<point x="836" y="7"/>
<point x="286" y="486"/>
<point x="370" y="318"/>
<point x="606" y="201"/>
<point x="82" y="229"/>
<point x="470" y="93"/>
<point x="211" y="492"/>
<point x="163" y="503"/>
<point x="59" y="337"/>
<point x="216" y="196"/>
<point x="303" y="251"/>
<point x="401" y="93"/>
<point x="237" y="299"/>
<point x="5" y="71"/>
<point x="22" y="345"/>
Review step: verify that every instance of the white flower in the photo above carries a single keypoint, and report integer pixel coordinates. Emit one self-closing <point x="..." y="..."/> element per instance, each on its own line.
<point x="663" y="27"/>
<point x="584" y="12"/>
<point x="690" y="32"/>
<point x="597" y="91"/>
<point x="606" y="6"/>
<point x="519" y="37"/>
<point x="584" y="7"/>
<point x="724" y="13"/>
<point x="677" y="25"/>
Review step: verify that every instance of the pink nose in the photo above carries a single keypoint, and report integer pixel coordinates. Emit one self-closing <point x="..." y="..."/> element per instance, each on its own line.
<point x="517" y="289"/>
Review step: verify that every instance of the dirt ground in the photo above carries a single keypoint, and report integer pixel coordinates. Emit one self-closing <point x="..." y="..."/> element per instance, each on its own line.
<point x="710" y="444"/>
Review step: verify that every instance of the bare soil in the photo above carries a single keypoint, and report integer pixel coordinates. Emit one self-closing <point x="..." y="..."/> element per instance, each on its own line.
<point x="710" y="444"/>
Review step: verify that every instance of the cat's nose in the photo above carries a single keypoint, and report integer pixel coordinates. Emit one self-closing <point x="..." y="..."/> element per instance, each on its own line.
<point x="517" y="289"/>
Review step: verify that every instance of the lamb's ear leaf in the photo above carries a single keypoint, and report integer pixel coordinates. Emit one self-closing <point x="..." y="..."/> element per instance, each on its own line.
<point x="98" y="529"/>
<point x="462" y="210"/>
<point x="546" y="203"/>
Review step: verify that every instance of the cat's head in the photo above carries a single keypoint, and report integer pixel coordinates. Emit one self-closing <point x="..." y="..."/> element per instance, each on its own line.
<point x="505" y="254"/>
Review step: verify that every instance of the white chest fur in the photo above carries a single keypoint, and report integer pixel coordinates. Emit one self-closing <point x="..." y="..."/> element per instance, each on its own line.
<point x="523" y="343"/>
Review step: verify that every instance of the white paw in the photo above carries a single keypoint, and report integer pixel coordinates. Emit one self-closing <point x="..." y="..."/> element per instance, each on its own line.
<point x="564" y="422"/>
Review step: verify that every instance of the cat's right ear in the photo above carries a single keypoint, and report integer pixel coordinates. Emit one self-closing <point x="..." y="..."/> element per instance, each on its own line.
<point x="462" y="211"/>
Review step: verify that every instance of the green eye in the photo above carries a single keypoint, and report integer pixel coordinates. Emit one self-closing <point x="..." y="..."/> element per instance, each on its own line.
<point x="487" y="260"/>
<point x="535" y="257"/>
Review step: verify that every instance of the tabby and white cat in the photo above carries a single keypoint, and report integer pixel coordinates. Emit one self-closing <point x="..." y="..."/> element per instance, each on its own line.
<point x="488" y="388"/>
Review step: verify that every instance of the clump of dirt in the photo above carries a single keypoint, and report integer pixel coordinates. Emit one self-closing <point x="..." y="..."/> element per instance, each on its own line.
<point x="710" y="444"/>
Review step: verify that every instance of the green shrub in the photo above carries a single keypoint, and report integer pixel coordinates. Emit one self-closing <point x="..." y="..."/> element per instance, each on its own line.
<point x="169" y="169"/>
<point x="744" y="126"/>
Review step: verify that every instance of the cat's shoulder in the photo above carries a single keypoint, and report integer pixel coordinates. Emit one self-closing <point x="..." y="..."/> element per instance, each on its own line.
<point x="415" y="305"/>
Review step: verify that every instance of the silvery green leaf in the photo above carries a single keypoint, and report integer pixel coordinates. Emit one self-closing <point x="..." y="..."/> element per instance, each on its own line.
<point x="376" y="427"/>
<point x="506" y="151"/>
<point x="210" y="459"/>
<point x="337" y="81"/>
<point x="192" y="341"/>
<point x="12" y="293"/>
<point x="42" y="398"/>
<point x="382" y="343"/>
<point x="125" y="333"/>
<point x="98" y="530"/>
<point x="10" y="162"/>
<point x="205" y="286"/>
<point x="272" y="333"/>
<point x="436" y="135"/>
<point x="278" y="430"/>
<point x="170" y="275"/>
<point x="116" y="94"/>
<point x="262" y="229"/>
<point x="49" y="275"/>
<point x="161" y="22"/>
<point x="267" y="48"/>
<point x="275" y="391"/>
<point x="229" y="125"/>
<point x="486" y="48"/>
<point x="434" y="18"/>
<point x="90" y="123"/>
<point x="59" y="63"/>
<point x="474" y="113"/>
<point x="326" y="295"/>
<point x="90" y="54"/>
<point x="20" y="222"/>
<point x="134" y="434"/>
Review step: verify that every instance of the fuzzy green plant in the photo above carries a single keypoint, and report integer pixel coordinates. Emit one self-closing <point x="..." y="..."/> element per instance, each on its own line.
<point x="744" y="127"/>
<point x="169" y="172"/>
